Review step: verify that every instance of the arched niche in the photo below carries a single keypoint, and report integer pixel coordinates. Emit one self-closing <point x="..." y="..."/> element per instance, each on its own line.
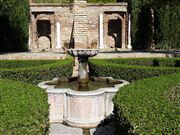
<point x="114" y="28"/>
<point x="115" y="31"/>
<point x="43" y="31"/>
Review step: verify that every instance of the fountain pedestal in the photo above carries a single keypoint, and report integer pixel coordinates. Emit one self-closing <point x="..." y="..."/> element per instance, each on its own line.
<point x="83" y="55"/>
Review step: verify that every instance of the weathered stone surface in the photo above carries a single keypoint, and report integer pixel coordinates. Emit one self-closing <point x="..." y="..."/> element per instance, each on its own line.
<point x="43" y="43"/>
<point x="60" y="129"/>
<point x="81" y="22"/>
<point x="66" y="104"/>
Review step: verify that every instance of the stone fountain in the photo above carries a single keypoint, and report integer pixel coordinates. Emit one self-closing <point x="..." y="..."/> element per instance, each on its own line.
<point x="85" y="108"/>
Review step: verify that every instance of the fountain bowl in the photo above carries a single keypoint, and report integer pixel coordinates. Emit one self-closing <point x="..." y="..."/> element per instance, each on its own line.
<point x="85" y="109"/>
<point x="83" y="52"/>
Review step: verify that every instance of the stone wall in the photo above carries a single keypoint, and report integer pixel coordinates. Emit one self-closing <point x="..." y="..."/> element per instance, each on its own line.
<point x="94" y="11"/>
<point x="64" y="15"/>
<point x="59" y="13"/>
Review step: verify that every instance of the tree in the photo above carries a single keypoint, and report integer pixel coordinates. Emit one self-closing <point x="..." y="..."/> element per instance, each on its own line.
<point x="14" y="16"/>
<point x="155" y="22"/>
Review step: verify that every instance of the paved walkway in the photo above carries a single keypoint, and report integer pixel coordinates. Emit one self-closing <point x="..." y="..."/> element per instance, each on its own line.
<point x="63" y="55"/>
<point x="33" y="55"/>
<point x="60" y="129"/>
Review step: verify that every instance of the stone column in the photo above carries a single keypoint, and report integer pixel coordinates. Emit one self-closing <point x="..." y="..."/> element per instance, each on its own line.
<point x="80" y="24"/>
<point x="129" y="32"/>
<point x="34" y="33"/>
<point x="29" y="38"/>
<point x="101" y="42"/>
<point x="123" y="33"/>
<point x="58" y="34"/>
<point x="52" y="36"/>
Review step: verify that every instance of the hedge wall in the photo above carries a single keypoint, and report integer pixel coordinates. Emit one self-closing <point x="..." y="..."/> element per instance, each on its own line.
<point x="133" y="69"/>
<point x="24" y="109"/>
<point x="149" y="106"/>
<point x="35" y="71"/>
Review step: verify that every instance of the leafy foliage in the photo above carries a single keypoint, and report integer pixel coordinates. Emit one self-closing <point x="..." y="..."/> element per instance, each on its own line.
<point x="143" y="107"/>
<point x="35" y="71"/>
<point x="162" y="31"/>
<point x="14" y="17"/>
<point x="168" y="28"/>
<point x="24" y="109"/>
<point x="133" y="69"/>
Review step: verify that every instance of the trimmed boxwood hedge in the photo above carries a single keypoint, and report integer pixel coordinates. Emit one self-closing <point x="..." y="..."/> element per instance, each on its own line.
<point x="156" y="62"/>
<point x="149" y="106"/>
<point x="11" y="64"/>
<point x="24" y="109"/>
<point x="133" y="69"/>
<point x="35" y="71"/>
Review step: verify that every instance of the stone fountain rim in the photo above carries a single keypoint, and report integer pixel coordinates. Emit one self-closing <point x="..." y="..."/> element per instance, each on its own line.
<point x="100" y="91"/>
<point x="82" y="49"/>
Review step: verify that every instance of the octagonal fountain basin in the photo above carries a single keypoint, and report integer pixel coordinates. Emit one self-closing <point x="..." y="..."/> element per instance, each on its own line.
<point x="85" y="109"/>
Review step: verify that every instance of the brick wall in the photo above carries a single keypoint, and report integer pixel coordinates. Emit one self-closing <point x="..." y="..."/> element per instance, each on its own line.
<point x="63" y="13"/>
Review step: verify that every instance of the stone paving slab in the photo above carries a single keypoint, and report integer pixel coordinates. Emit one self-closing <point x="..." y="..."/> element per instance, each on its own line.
<point x="33" y="55"/>
<point x="60" y="129"/>
<point x="137" y="54"/>
<point x="101" y="55"/>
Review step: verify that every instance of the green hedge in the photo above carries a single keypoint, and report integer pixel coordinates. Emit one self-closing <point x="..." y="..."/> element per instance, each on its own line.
<point x="24" y="109"/>
<point x="11" y="64"/>
<point x="35" y="71"/>
<point x="156" y="62"/>
<point x="149" y="106"/>
<point x="133" y="69"/>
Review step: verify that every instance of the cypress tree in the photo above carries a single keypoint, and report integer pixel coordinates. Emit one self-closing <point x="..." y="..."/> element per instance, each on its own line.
<point x="14" y="16"/>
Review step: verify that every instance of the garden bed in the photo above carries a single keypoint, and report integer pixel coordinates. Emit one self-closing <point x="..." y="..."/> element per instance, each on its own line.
<point x="149" y="106"/>
<point x="24" y="109"/>
<point x="133" y="69"/>
<point x="35" y="71"/>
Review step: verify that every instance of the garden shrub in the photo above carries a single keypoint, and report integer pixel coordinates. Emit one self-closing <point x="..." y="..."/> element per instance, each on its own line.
<point x="14" y="24"/>
<point x="162" y="62"/>
<point x="149" y="106"/>
<point x="132" y="69"/>
<point x="24" y="109"/>
<point x="11" y="64"/>
<point x="35" y="71"/>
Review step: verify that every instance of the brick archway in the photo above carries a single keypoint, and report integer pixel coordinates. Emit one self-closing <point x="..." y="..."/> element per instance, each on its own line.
<point x="42" y="31"/>
<point x="44" y="34"/>
<point x="114" y="30"/>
